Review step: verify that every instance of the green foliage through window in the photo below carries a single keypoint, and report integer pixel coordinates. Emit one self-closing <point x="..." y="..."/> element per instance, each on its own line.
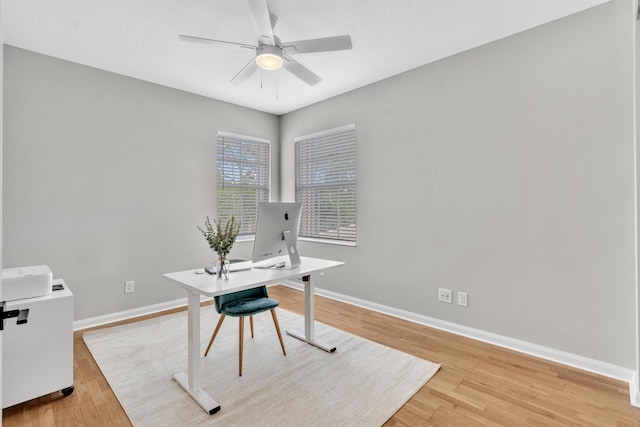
<point x="243" y="178"/>
<point x="326" y="184"/>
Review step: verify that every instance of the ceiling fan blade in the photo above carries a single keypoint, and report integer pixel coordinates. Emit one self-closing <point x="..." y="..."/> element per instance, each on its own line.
<point x="246" y="72"/>
<point x="300" y="71"/>
<point x="262" y="21"/>
<point x="319" y="45"/>
<point x="212" y="41"/>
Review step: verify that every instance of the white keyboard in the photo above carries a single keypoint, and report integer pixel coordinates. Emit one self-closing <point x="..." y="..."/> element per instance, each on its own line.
<point x="240" y="266"/>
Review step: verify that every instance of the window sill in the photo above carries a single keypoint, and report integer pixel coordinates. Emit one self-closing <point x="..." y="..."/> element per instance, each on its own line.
<point x="328" y="241"/>
<point x="306" y="239"/>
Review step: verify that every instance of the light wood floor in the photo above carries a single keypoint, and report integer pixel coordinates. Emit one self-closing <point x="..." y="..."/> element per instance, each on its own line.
<point x="478" y="384"/>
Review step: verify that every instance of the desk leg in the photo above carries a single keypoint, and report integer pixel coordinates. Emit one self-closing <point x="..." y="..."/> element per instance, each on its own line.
<point x="309" y="319"/>
<point x="190" y="381"/>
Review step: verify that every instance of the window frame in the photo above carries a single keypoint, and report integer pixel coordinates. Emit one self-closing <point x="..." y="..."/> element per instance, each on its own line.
<point x="323" y="136"/>
<point x="220" y="182"/>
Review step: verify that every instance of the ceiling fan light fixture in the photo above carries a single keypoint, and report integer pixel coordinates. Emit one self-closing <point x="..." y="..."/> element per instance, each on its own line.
<point x="269" y="58"/>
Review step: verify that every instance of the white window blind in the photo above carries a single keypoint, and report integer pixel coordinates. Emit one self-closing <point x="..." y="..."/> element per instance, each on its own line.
<point x="326" y="184"/>
<point x="243" y="178"/>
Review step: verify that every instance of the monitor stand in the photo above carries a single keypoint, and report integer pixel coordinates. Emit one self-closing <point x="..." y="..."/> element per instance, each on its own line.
<point x="294" y="256"/>
<point x="278" y="262"/>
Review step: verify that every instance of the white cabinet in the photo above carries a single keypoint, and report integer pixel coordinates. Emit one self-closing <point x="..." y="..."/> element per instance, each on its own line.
<point x="37" y="356"/>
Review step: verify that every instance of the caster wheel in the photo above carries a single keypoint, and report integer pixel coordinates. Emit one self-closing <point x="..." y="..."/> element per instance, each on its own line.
<point x="67" y="391"/>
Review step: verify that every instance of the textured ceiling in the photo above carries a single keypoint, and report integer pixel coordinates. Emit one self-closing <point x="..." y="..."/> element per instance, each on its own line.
<point x="139" y="38"/>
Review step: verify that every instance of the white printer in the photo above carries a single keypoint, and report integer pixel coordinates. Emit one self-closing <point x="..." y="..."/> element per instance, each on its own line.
<point x="26" y="282"/>
<point x="37" y="348"/>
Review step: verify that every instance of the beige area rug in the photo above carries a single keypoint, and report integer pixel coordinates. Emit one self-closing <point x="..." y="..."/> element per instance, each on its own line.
<point x="361" y="384"/>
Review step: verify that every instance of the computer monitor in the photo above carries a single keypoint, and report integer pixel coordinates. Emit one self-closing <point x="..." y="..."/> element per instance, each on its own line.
<point x="276" y="242"/>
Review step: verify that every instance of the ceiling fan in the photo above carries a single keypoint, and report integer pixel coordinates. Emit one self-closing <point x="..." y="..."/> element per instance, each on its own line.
<point x="272" y="54"/>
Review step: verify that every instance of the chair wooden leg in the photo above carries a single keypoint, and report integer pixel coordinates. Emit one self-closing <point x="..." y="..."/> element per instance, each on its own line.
<point x="251" y="323"/>
<point x="275" y="322"/>
<point x="241" y="342"/>
<point x="215" y="332"/>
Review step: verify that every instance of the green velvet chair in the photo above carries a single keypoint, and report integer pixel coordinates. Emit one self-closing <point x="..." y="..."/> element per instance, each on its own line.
<point x="242" y="304"/>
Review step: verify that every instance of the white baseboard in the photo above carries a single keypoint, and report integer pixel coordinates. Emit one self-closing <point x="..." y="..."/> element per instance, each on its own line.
<point x="128" y="314"/>
<point x="634" y="393"/>
<point x="602" y="368"/>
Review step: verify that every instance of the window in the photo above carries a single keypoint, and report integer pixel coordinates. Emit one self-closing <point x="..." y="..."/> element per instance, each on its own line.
<point x="326" y="184"/>
<point x="243" y="178"/>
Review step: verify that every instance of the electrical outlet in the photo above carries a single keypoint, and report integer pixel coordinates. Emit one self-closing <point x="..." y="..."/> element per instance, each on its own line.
<point x="444" y="295"/>
<point x="463" y="299"/>
<point x="128" y="287"/>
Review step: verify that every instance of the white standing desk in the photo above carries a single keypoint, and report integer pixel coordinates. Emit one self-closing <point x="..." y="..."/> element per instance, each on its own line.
<point x="206" y="284"/>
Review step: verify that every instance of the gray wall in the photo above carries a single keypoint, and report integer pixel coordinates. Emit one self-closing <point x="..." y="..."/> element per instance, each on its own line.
<point x="106" y="178"/>
<point x="506" y="172"/>
<point x="637" y="120"/>
<point x="1" y="154"/>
